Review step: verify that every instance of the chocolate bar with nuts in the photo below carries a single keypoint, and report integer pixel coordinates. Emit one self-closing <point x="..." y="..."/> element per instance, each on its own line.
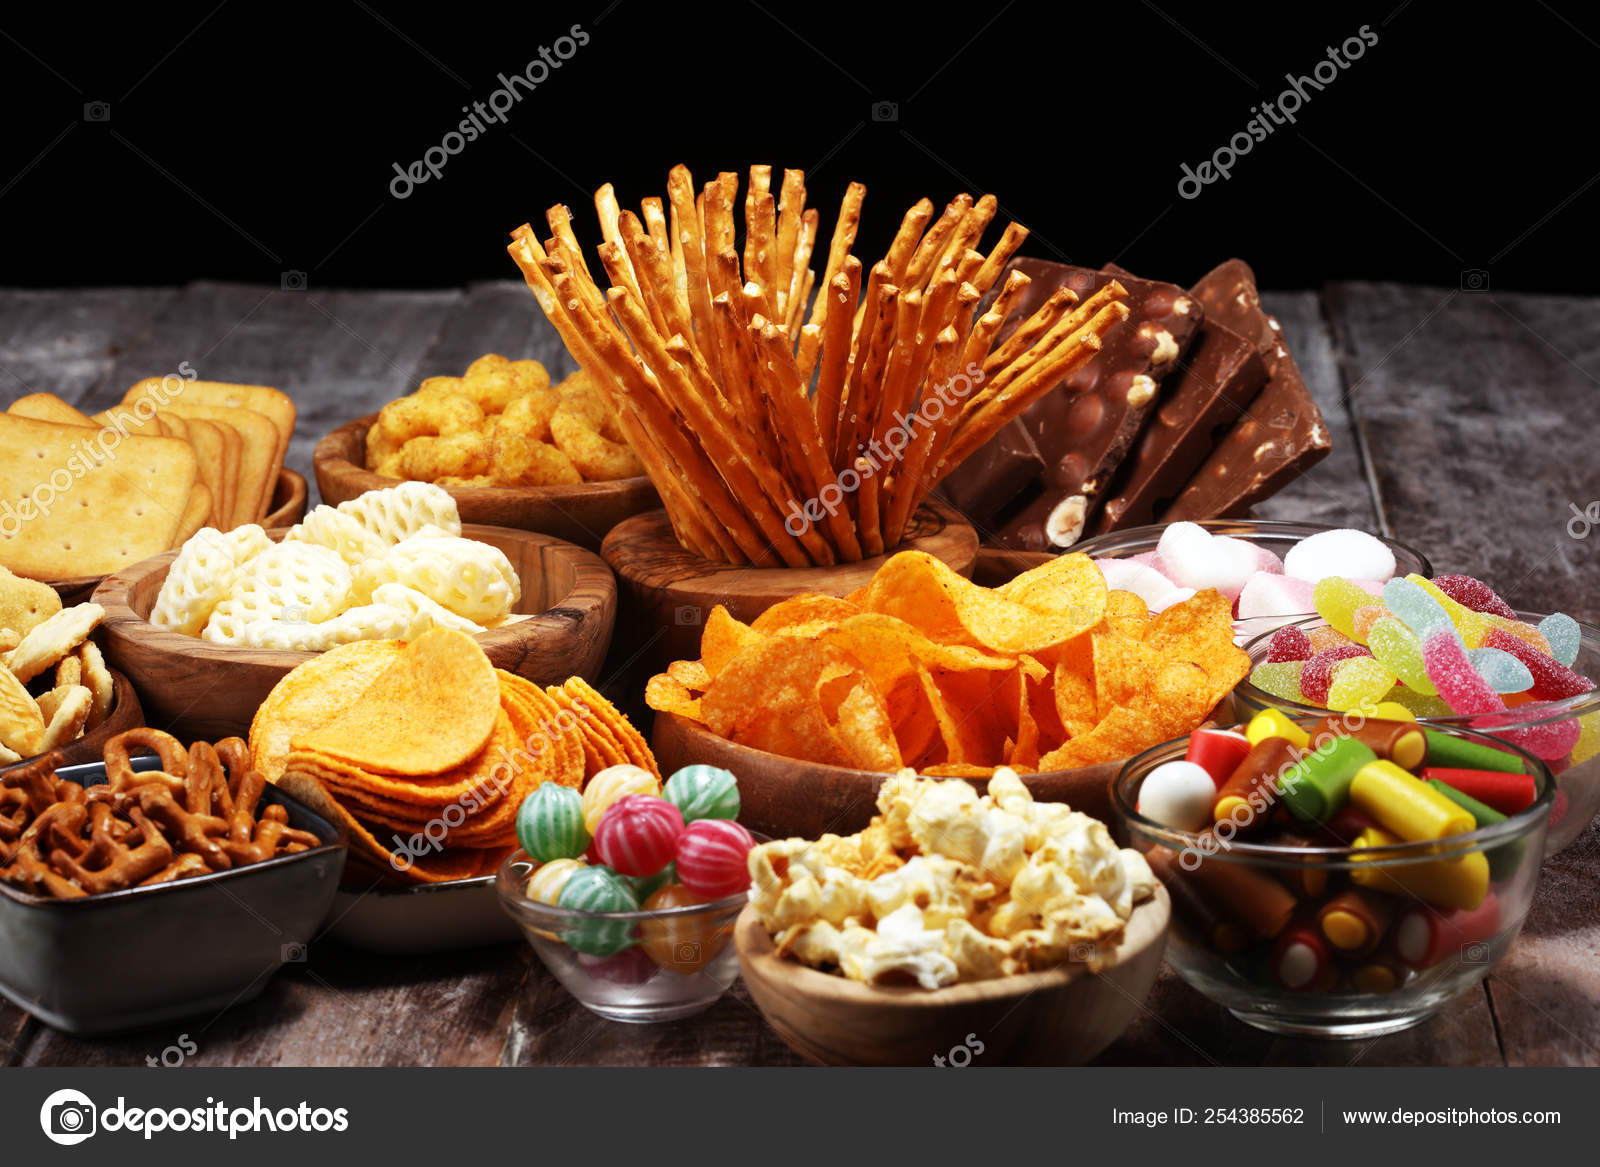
<point x="1084" y="427"/>
<point x="1281" y="435"/>
<point x="1200" y="401"/>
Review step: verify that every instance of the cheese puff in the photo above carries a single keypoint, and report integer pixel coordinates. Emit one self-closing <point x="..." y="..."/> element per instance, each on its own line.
<point x="487" y="363"/>
<point x="475" y="480"/>
<point x="439" y="386"/>
<point x="598" y="458"/>
<point x="455" y="413"/>
<point x="530" y="375"/>
<point x="529" y="415"/>
<point x="492" y="391"/>
<point x="520" y="461"/>
<point x="462" y="455"/>
<point x="390" y="467"/>
<point x="585" y="401"/>
<point x="381" y="446"/>
<point x="573" y="382"/>
<point x="405" y="418"/>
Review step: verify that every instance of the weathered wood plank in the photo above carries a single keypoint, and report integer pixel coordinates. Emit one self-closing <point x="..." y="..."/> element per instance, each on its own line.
<point x="67" y="342"/>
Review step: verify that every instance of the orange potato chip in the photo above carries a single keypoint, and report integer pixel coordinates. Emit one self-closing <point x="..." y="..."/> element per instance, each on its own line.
<point x="691" y="674"/>
<point x="666" y="694"/>
<point x="1127" y="614"/>
<point x="887" y="648"/>
<point x="636" y="749"/>
<point x="1069" y="586"/>
<point x="428" y="712"/>
<point x="601" y="749"/>
<point x="723" y="639"/>
<point x="768" y="697"/>
<point x="959" y="770"/>
<point x="864" y="728"/>
<point x="313" y="694"/>
<point x="915" y="727"/>
<point x="544" y="729"/>
<point x="803" y="611"/>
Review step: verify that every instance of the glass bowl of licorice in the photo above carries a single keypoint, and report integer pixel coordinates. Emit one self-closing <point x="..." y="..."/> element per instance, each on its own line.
<point x="1325" y="880"/>
<point x="1564" y="731"/>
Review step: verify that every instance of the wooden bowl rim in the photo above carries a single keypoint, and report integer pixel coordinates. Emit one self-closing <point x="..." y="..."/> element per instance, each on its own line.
<point x="593" y="589"/>
<point x="695" y="729"/>
<point x="121" y="690"/>
<point x="327" y="457"/>
<point x="1147" y="925"/>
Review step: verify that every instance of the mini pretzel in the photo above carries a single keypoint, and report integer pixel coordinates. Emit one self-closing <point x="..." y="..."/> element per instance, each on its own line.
<point x="174" y="760"/>
<point x="125" y="866"/>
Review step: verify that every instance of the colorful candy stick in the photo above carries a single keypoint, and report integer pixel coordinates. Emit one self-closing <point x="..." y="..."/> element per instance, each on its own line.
<point x="1275" y="723"/>
<point x="1379" y="974"/>
<point x="1301" y="961"/>
<point x="1202" y="916"/>
<point x="1257" y="901"/>
<point x="1217" y="751"/>
<point x="1549" y="679"/>
<point x="1404" y="805"/>
<point x="1356" y="920"/>
<point x="1563" y="634"/>
<point x="1425" y="936"/>
<point x="1500" y="790"/>
<point x="1446" y="883"/>
<point x="1503" y="859"/>
<point x="1305" y="880"/>
<point x="1252" y="789"/>
<point x="1397" y="648"/>
<point x="1393" y="711"/>
<point x="1346" y="825"/>
<point x="1474" y="594"/>
<point x="1402" y="742"/>
<point x="1319" y="783"/>
<point x="1460" y="753"/>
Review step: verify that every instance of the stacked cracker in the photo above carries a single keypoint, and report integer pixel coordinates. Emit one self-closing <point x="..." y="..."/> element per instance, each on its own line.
<point x="709" y="364"/>
<point x="54" y="685"/>
<point x="421" y="753"/>
<point x="91" y="495"/>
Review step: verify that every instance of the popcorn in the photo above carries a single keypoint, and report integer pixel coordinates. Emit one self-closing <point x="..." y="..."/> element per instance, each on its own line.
<point x="947" y="886"/>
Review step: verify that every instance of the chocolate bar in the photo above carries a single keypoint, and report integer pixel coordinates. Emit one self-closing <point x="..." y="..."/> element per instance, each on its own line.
<point x="1281" y="435"/>
<point x="1083" y="428"/>
<point x="994" y="474"/>
<point x="1200" y="400"/>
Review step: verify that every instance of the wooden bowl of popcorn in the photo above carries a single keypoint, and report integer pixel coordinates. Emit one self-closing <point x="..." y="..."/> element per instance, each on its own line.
<point x="555" y="621"/>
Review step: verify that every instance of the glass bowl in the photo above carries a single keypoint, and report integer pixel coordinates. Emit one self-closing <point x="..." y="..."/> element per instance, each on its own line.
<point x="1577" y="796"/>
<point x="1273" y="535"/>
<point x="1428" y="953"/>
<point x="643" y="966"/>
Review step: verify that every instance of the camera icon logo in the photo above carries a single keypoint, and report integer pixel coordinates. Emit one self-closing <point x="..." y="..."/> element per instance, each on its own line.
<point x="886" y="111"/>
<point x="97" y="111"/>
<point x="68" y="1117"/>
<point x="686" y="952"/>
<point x="294" y="954"/>
<point x="293" y="281"/>
<point x="686" y="615"/>
<point x="1474" y="279"/>
<point x="1475" y="953"/>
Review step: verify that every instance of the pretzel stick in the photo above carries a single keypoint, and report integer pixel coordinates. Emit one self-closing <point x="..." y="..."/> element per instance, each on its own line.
<point x="967" y="233"/>
<point x="904" y="244"/>
<point x="680" y="190"/>
<point x="760" y="249"/>
<point x="1010" y="292"/>
<point x="654" y="282"/>
<point x="718" y="231"/>
<point x="801" y="275"/>
<point x="605" y="205"/>
<point x="906" y="486"/>
<point x="798" y="305"/>
<point x="872" y="462"/>
<point x="1010" y="240"/>
<point x="738" y="365"/>
<point x="1044" y="318"/>
<point x="844" y="237"/>
<point x="933" y="243"/>
<point x="791" y="208"/>
<point x="999" y="366"/>
<point x="835" y="348"/>
<point x="656" y="221"/>
<point x="866" y="373"/>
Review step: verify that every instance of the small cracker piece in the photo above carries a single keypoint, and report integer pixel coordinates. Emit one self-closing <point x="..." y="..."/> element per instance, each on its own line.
<point x="55" y="638"/>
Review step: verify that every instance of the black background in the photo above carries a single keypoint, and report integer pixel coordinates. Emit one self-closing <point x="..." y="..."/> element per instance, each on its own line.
<point x="246" y="140"/>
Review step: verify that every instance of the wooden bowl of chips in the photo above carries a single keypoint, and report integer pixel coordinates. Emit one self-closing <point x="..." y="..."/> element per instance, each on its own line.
<point x="126" y="713"/>
<point x="1061" y="1017"/>
<point x="580" y="513"/>
<point x="196" y="689"/>
<point x="784" y="797"/>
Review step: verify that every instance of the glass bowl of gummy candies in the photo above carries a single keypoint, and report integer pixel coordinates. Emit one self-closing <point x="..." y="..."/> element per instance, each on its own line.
<point x="628" y="892"/>
<point x="1266" y="568"/>
<point x="1340" y="876"/>
<point x="1454" y="655"/>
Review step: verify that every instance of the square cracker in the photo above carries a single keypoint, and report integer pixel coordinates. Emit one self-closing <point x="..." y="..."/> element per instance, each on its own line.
<point x="207" y="440"/>
<point x="49" y="407"/>
<point x="125" y="419"/>
<point x="196" y="513"/>
<point x="258" y="467"/>
<point x="113" y="511"/>
<point x="273" y="404"/>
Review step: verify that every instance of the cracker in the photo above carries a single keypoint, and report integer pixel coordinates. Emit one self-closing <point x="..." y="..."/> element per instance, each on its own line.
<point x="25" y="603"/>
<point x="53" y="639"/>
<point x="144" y="423"/>
<point x="70" y="510"/>
<point x="206" y="438"/>
<point x="195" y="514"/>
<point x="69" y="671"/>
<point x="232" y="455"/>
<point x="258" y="470"/>
<point x="49" y="407"/>
<point x="197" y="397"/>
<point x="175" y="425"/>
<point x="21" y="724"/>
<point x="99" y="681"/>
<point x="9" y="639"/>
<point x="68" y="714"/>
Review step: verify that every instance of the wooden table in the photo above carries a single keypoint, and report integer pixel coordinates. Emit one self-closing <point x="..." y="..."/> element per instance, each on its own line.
<point x="1463" y="423"/>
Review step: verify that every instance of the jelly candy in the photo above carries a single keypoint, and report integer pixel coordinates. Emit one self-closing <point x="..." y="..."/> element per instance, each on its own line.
<point x="1474" y="594"/>
<point x="1551" y="741"/>
<point x="1549" y="679"/>
<point x="1504" y="672"/>
<point x="1453" y="675"/>
<point x="1318" y="673"/>
<point x="638" y="834"/>
<point x="1280" y="678"/>
<point x="1398" y="648"/>
<point x="550" y="823"/>
<point x="703" y="792"/>
<point x="1358" y="683"/>
<point x="1322" y="638"/>
<point x="712" y="858"/>
<point x="1469" y="624"/>
<point x="1363" y="620"/>
<point x="1562" y="632"/>
<point x="610" y="784"/>
<point x="1418" y="704"/>
<point x="1522" y="632"/>
<point x="1588" y="743"/>
<point x="1289" y="643"/>
<point x="1337" y="600"/>
<point x="1418" y="610"/>
<point x="598" y="889"/>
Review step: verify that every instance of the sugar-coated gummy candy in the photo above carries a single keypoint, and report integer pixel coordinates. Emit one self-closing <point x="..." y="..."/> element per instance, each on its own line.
<point x="1470" y="625"/>
<point x="1365" y="617"/>
<point x="1563" y="634"/>
<point x="1281" y="679"/>
<point x="1416" y="608"/>
<point x="610" y="784"/>
<point x="1337" y="600"/>
<point x="703" y="792"/>
<point x="1588" y="743"/>
<point x="1522" y="631"/>
<point x="1324" y="637"/>
<point x="597" y="889"/>
<point x="1318" y="672"/>
<point x="638" y="834"/>
<point x="1549" y="680"/>
<point x="1179" y="795"/>
<point x="1399" y="650"/>
<point x="1551" y="741"/>
<point x="1417" y="704"/>
<point x="1342" y="552"/>
<point x="1289" y="643"/>
<point x="1125" y="575"/>
<point x="550" y="823"/>
<point x="1474" y="594"/>
<point x="545" y="884"/>
<point x="1503" y="672"/>
<point x="1266" y="594"/>
<point x="712" y="858"/>
<point x="1358" y="683"/>
<point x="1453" y="675"/>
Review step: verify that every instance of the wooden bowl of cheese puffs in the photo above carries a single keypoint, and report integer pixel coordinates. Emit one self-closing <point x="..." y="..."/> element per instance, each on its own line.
<point x="513" y="448"/>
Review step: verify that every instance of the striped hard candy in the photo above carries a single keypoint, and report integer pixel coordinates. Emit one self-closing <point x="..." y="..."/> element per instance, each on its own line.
<point x="550" y="823"/>
<point x="703" y="792"/>
<point x="612" y="783"/>
<point x="712" y="858"/>
<point x="638" y="833"/>
<point x="597" y="889"/>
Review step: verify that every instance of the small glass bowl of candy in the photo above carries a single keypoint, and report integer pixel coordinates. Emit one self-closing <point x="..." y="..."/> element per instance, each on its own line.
<point x="1264" y="591"/>
<point x="1568" y="728"/>
<point x="653" y="965"/>
<point x="1340" y="926"/>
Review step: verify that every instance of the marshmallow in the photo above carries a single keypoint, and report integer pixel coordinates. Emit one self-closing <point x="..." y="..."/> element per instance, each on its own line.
<point x="1345" y="552"/>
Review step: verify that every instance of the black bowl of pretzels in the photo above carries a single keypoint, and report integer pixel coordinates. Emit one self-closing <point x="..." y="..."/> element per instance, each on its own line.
<point x="160" y="883"/>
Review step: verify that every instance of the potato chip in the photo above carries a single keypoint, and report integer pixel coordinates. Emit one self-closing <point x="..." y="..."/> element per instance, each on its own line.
<point x="1127" y="614"/>
<point x="767" y="697"/>
<point x="313" y="694"/>
<point x="888" y="648"/>
<point x="1068" y="586"/>
<point x="863" y="727"/>
<point x="691" y="674"/>
<point x="803" y="611"/>
<point x="723" y="639"/>
<point x="666" y="694"/>
<point x="431" y="710"/>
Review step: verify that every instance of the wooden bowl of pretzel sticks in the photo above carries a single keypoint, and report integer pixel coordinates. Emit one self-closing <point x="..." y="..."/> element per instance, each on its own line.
<point x="784" y="428"/>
